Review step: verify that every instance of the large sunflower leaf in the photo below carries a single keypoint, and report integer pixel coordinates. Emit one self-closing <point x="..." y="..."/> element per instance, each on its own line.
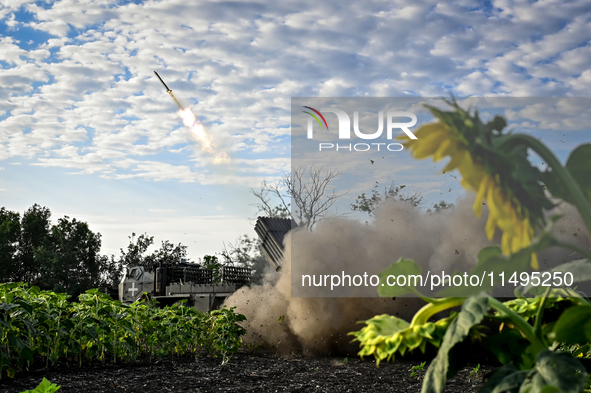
<point x="579" y="270"/>
<point x="403" y="267"/>
<point x="554" y="372"/>
<point x="560" y="370"/>
<point x="573" y="326"/>
<point x="579" y="166"/>
<point x="473" y="310"/>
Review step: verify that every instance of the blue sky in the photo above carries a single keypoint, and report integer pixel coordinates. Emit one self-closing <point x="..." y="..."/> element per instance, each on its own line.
<point x="87" y="130"/>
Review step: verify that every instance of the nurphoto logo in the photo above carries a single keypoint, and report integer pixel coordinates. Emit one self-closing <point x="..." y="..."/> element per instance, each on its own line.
<point x="393" y="122"/>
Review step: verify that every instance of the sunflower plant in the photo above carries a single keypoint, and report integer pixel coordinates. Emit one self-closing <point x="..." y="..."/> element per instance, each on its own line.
<point x="43" y="328"/>
<point x="495" y="164"/>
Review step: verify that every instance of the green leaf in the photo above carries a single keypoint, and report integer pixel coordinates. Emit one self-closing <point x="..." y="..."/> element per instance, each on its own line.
<point x="492" y="260"/>
<point x="562" y="371"/>
<point x="504" y="379"/>
<point x="580" y="270"/>
<point x="553" y="372"/>
<point x="510" y="347"/>
<point x="27" y="306"/>
<point x="16" y="341"/>
<point x="7" y="306"/>
<point x="402" y="267"/>
<point x="549" y="389"/>
<point x="44" y="387"/>
<point x="573" y="326"/>
<point x="473" y="310"/>
<point x="579" y="166"/>
<point x="511" y="383"/>
<point x="27" y="354"/>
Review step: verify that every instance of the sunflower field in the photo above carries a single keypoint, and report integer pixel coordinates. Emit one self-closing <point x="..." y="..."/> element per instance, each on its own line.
<point x="43" y="327"/>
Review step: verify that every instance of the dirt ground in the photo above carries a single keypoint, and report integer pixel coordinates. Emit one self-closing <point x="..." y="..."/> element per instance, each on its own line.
<point x="245" y="373"/>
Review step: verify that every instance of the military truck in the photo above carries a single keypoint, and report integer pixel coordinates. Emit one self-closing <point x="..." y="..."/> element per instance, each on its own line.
<point x="203" y="288"/>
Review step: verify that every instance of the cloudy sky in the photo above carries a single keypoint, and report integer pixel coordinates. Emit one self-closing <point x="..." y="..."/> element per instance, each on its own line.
<point x="87" y="130"/>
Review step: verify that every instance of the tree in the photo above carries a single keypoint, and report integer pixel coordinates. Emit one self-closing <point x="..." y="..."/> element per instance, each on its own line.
<point x="169" y="253"/>
<point x="110" y="273"/>
<point x="391" y="192"/>
<point x="245" y="252"/>
<point x="310" y="193"/>
<point x="62" y="257"/>
<point x="265" y="206"/>
<point x="33" y="243"/>
<point x="441" y="205"/>
<point x="10" y="233"/>
<point x="75" y="259"/>
<point x="212" y="262"/>
<point x="136" y="253"/>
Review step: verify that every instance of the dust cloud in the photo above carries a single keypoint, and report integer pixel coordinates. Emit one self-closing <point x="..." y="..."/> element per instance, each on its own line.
<point x="448" y="241"/>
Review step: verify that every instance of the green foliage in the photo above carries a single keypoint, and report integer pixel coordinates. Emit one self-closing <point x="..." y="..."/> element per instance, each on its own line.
<point x="579" y="168"/>
<point x="223" y="337"/>
<point x="43" y="327"/>
<point x="44" y="387"/>
<point x="245" y="252"/>
<point x="385" y="335"/>
<point x="580" y="270"/>
<point x="492" y="261"/>
<point x="553" y="372"/>
<point x="368" y="205"/>
<point x="137" y="253"/>
<point x="63" y="257"/>
<point x="417" y="371"/>
<point x="403" y="267"/>
<point x="574" y="326"/>
<point x="74" y="255"/>
<point x="473" y="310"/>
<point x="474" y="372"/>
<point x="211" y="262"/>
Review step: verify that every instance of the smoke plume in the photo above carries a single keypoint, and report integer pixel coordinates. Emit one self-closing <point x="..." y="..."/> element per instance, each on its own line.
<point x="445" y="241"/>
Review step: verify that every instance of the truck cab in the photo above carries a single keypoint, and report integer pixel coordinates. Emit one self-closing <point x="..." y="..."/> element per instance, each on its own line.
<point x="134" y="283"/>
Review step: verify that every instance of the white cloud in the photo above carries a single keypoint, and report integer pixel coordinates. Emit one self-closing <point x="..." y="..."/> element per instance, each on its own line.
<point x="87" y="98"/>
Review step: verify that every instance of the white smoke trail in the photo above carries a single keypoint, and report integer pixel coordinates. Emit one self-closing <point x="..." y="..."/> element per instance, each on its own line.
<point x="199" y="132"/>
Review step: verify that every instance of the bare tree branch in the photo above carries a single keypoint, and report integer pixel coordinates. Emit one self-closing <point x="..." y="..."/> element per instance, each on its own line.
<point x="265" y="207"/>
<point x="309" y="191"/>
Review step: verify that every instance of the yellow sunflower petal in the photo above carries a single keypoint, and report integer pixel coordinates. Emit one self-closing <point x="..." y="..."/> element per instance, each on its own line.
<point x="491" y="226"/>
<point x="482" y="190"/>
<point x="446" y="148"/>
<point x="534" y="263"/>
<point x="471" y="171"/>
<point x="505" y="243"/>
<point x="428" y="145"/>
<point x="433" y="128"/>
<point x="456" y="160"/>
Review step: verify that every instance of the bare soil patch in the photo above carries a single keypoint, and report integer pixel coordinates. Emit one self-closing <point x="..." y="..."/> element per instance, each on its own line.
<point x="245" y="373"/>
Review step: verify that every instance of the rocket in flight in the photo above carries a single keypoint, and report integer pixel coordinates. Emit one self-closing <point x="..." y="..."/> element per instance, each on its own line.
<point x="169" y="91"/>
